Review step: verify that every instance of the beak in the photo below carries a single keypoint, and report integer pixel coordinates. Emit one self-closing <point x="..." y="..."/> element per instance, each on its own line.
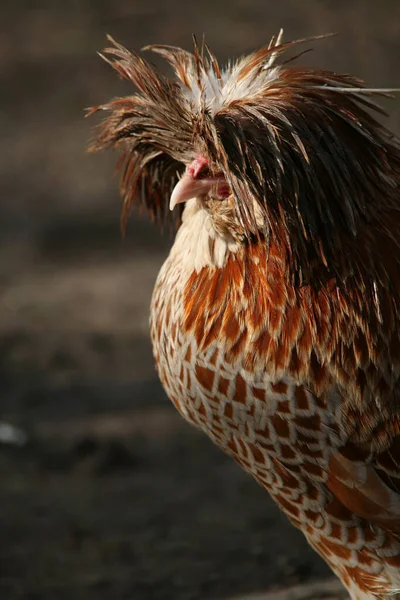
<point x="190" y="187"/>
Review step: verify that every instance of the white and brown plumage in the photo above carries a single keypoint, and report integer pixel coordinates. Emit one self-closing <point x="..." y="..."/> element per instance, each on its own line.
<point x="275" y="320"/>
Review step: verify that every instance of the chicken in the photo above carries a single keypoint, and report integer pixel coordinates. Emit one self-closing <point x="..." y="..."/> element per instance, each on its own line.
<point x="275" y="318"/>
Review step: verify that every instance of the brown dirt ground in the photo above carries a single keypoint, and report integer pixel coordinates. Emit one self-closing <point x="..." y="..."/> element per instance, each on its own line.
<point x="114" y="496"/>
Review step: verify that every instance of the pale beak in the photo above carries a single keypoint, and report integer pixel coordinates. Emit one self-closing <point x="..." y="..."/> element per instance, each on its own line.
<point x="190" y="187"/>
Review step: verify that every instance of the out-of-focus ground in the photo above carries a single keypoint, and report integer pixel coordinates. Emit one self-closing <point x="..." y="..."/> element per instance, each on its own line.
<point x="114" y="496"/>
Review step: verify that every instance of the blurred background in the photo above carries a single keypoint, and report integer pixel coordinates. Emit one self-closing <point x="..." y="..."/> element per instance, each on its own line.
<point x="105" y="491"/>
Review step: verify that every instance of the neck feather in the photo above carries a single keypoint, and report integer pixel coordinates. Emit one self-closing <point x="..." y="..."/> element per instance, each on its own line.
<point x="197" y="244"/>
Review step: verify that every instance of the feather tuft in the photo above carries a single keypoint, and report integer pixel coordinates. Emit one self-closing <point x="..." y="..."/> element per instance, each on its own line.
<point x="301" y="145"/>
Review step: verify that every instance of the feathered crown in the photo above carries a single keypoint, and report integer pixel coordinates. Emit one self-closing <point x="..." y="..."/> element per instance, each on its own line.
<point x="302" y="143"/>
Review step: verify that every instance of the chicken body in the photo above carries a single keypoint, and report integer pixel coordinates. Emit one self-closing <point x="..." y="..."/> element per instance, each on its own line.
<point x="240" y="356"/>
<point x="275" y="320"/>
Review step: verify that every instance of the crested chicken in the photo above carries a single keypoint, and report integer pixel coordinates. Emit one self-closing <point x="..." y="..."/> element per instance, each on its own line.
<point x="275" y="320"/>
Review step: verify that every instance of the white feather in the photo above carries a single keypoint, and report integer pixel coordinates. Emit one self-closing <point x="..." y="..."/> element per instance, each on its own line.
<point x="197" y="244"/>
